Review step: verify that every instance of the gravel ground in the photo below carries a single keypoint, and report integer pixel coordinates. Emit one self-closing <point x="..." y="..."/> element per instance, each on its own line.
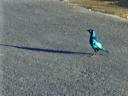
<point x="45" y="51"/>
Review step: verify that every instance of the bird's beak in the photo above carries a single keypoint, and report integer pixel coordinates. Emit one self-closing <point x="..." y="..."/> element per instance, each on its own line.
<point x="88" y="31"/>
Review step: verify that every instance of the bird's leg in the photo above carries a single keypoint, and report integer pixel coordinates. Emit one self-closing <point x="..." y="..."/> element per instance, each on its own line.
<point x="95" y="52"/>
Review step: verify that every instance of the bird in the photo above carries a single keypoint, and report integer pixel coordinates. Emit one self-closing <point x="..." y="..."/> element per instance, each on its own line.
<point x="95" y="43"/>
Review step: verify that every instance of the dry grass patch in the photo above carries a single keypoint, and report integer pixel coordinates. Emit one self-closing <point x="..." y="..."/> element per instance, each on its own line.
<point x="106" y="6"/>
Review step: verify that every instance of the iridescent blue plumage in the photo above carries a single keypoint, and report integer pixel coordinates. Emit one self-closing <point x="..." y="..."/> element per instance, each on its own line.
<point x="94" y="42"/>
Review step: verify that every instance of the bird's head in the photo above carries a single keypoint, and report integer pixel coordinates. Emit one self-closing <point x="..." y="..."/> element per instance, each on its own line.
<point x="90" y="31"/>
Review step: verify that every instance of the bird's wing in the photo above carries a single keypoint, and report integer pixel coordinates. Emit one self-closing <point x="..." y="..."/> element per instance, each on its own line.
<point x="97" y="44"/>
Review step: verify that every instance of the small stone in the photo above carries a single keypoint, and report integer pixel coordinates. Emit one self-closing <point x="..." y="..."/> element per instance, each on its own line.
<point x="89" y="9"/>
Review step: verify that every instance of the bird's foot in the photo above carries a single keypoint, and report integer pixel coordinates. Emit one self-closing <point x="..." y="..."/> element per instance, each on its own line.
<point x="95" y="54"/>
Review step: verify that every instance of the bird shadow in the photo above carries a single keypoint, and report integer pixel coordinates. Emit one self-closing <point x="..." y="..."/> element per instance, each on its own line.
<point x="47" y="50"/>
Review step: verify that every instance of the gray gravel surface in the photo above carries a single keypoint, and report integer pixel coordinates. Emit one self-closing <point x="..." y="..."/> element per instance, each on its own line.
<point x="45" y="51"/>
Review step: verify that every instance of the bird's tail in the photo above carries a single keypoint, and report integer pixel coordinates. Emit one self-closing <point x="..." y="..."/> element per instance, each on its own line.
<point x="104" y="49"/>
